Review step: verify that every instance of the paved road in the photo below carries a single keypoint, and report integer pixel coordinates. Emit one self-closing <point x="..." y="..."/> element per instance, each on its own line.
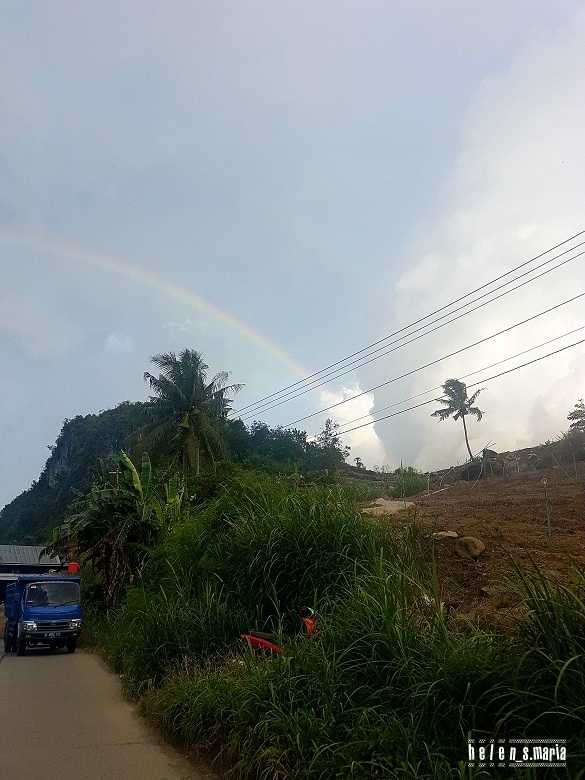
<point x="62" y="717"/>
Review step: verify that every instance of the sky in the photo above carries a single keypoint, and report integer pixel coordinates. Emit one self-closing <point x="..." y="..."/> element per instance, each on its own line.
<point x="277" y="185"/>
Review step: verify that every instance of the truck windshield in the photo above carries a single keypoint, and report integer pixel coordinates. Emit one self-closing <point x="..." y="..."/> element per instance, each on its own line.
<point x="52" y="594"/>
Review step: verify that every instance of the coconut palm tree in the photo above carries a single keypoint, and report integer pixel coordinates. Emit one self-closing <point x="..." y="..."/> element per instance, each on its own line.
<point x="187" y="410"/>
<point x="458" y="405"/>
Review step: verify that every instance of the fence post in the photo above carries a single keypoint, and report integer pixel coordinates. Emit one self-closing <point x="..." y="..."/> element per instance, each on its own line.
<point x="546" y="507"/>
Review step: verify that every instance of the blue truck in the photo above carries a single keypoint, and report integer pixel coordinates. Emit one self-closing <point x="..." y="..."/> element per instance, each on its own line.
<point x="42" y="609"/>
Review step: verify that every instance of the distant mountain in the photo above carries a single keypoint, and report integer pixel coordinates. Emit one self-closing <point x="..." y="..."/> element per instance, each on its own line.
<point x="83" y="441"/>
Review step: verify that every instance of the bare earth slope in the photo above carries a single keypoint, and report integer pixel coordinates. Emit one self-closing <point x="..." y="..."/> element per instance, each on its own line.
<point x="508" y="515"/>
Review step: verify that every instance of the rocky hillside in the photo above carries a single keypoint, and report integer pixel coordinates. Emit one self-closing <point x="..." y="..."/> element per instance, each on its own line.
<point x="83" y="441"/>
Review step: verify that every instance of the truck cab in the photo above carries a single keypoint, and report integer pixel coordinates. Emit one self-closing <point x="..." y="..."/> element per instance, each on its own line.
<point x="42" y="609"/>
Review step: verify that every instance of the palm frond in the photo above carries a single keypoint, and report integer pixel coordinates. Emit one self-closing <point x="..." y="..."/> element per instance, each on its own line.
<point x="442" y="414"/>
<point x="471" y="400"/>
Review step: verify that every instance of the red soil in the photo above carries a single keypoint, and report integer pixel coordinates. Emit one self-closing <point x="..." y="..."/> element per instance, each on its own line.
<point x="509" y="516"/>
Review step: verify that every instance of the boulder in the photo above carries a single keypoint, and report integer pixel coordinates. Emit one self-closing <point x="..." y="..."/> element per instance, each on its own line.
<point x="469" y="547"/>
<point x="445" y="535"/>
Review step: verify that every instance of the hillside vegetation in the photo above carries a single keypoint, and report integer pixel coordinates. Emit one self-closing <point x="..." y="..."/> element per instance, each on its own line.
<point x="391" y="686"/>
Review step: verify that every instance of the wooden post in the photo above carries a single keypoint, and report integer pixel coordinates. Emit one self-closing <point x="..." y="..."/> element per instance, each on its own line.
<point x="547" y="508"/>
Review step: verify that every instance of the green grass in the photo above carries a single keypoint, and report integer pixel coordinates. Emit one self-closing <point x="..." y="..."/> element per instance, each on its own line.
<point x="391" y="686"/>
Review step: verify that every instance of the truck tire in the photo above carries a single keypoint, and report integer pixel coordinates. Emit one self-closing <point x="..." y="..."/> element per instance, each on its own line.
<point x="71" y="645"/>
<point x="7" y="640"/>
<point x="21" y="646"/>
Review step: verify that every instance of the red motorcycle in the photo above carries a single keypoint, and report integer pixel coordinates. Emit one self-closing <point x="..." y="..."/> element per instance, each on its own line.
<point x="263" y="642"/>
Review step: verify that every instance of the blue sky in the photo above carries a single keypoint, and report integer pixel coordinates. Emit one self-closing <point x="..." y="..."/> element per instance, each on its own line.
<point x="322" y="173"/>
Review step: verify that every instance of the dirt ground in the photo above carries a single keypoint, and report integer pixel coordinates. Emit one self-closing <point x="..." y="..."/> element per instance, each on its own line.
<point x="509" y="516"/>
<point x="387" y="506"/>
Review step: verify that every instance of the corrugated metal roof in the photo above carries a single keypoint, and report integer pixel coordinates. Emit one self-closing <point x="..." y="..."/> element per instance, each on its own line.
<point x="25" y="555"/>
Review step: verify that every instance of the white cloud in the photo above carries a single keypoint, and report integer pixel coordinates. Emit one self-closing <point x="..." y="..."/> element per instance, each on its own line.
<point x="517" y="188"/>
<point x="364" y="442"/>
<point x="181" y="327"/>
<point x="119" y="343"/>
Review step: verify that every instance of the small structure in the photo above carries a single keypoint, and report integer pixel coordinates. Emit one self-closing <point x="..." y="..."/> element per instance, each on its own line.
<point x="18" y="559"/>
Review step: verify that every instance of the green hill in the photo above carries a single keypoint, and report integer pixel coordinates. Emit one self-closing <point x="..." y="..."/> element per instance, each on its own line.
<point x="85" y="440"/>
<point x="82" y="442"/>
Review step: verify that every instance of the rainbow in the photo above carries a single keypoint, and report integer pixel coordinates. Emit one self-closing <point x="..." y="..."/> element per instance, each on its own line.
<point x="121" y="267"/>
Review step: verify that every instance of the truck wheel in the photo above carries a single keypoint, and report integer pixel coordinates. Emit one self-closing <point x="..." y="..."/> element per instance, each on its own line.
<point x="71" y="645"/>
<point x="7" y="640"/>
<point x="21" y="646"/>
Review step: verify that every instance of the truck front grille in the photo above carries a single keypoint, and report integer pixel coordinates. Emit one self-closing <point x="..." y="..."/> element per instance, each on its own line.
<point x="52" y="625"/>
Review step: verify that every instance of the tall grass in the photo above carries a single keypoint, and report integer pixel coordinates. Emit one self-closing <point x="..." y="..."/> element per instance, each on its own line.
<point x="252" y="557"/>
<point x="390" y="687"/>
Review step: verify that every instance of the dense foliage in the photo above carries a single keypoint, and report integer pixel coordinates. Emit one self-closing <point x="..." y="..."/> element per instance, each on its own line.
<point x="286" y="450"/>
<point x="390" y="687"/>
<point x="117" y="522"/>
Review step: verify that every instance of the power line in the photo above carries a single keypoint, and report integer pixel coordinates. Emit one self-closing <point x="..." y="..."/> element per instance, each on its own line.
<point x="439" y="360"/>
<point x="474" y="384"/>
<point x="464" y="376"/>
<point x="416" y="322"/>
<point x="335" y="375"/>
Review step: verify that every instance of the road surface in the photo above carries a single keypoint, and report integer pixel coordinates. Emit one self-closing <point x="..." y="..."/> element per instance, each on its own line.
<point x="63" y="718"/>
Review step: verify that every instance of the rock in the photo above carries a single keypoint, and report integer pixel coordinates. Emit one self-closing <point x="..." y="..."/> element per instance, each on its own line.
<point x="445" y="535"/>
<point x="469" y="547"/>
<point x="387" y="506"/>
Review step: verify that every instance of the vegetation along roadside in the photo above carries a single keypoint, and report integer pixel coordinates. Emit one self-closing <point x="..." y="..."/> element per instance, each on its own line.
<point x="185" y="548"/>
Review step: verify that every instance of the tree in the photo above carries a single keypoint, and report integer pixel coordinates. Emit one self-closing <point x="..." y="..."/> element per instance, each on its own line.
<point x="458" y="405"/>
<point x="188" y="411"/>
<point x="117" y="521"/>
<point x="358" y="463"/>
<point x="327" y="450"/>
<point x="578" y="417"/>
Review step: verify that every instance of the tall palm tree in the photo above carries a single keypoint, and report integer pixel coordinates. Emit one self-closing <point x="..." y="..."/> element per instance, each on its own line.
<point x="186" y="409"/>
<point x="458" y="405"/>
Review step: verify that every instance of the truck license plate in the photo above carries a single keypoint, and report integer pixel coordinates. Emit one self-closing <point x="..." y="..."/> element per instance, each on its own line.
<point x="53" y="634"/>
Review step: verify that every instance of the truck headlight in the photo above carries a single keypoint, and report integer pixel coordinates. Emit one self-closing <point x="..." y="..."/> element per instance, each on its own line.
<point x="29" y="625"/>
<point x="75" y="623"/>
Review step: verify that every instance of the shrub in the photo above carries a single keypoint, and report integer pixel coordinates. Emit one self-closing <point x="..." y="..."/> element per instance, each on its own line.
<point x="407" y="482"/>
